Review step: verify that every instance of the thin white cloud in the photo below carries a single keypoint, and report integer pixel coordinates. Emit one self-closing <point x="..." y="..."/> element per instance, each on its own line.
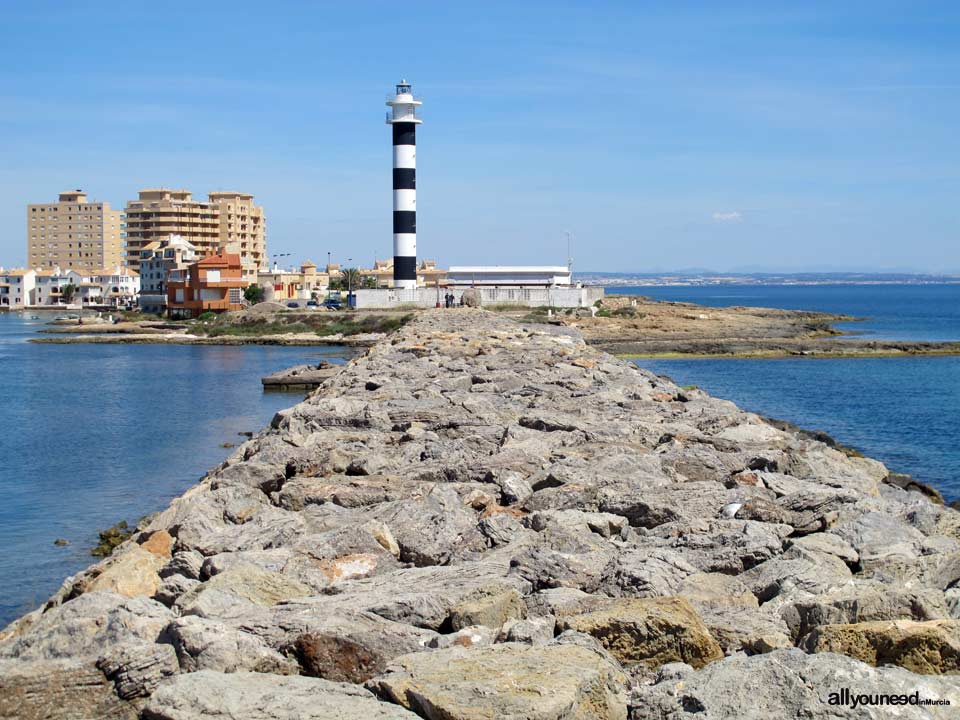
<point x="733" y="216"/>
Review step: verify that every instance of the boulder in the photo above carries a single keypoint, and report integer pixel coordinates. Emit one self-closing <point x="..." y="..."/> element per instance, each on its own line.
<point x="787" y="684"/>
<point x="532" y="631"/>
<point x="244" y="582"/>
<point x="87" y="627"/>
<point x="184" y="562"/>
<point x="928" y="648"/>
<point x="490" y="609"/>
<point x="137" y="669"/>
<point x="203" y="644"/>
<point x="860" y="604"/>
<point x="648" y="631"/>
<point x="58" y="690"/>
<point x="255" y="696"/>
<point x="547" y="682"/>
<point x="132" y="573"/>
<point x="350" y="646"/>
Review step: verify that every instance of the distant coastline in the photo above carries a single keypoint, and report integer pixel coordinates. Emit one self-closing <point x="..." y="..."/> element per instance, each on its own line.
<point x="695" y="278"/>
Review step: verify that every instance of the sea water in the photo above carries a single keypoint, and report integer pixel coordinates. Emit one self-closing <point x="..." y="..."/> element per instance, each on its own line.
<point x="95" y="434"/>
<point x="902" y="411"/>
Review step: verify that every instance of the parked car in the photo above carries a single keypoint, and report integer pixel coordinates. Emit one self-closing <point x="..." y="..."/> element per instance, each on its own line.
<point x="293" y="304"/>
<point x="312" y="304"/>
<point x="332" y="304"/>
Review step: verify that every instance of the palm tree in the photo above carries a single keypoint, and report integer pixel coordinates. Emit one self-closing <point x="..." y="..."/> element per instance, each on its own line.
<point x="350" y="279"/>
<point x="67" y="292"/>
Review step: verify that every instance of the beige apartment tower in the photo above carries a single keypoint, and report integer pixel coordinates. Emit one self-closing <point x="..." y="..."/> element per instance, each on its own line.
<point x="242" y="229"/>
<point x="228" y="222"/>
<point x="73" y="233"/>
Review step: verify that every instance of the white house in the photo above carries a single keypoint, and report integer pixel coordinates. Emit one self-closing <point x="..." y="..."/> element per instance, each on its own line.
<point x="16" y="287"/>
<point x="48" y="287"/>
<point x="118" y="285"/>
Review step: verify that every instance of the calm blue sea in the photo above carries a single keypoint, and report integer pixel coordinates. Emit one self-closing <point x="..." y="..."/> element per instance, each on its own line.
<point x="890" y="312"/>
<point x="94" y="434"/>
<point x="903" y="411"/>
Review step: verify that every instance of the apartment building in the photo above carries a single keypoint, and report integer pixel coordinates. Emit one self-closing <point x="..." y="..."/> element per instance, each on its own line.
<point x="213" y="284"/>
<point x="227" y="223"/>
<point x="242" y="230"/>
<point x="73" y="233"/>
<point x="157" y="260"/>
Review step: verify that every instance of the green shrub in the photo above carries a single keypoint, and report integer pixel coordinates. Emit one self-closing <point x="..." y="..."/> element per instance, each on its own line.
<point x="207" y="316"/>
<point x="253" y="294"/>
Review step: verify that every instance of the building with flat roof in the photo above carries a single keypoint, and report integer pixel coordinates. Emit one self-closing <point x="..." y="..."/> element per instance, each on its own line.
<point x="157" y="260"/>
<point x="16" y="287"/>
<point x="73" y="233"/>
<point x="243" y="229"/>
<point x="510" y="275"/>
<point x="227" y="223"/>
<point x="214" y="284"/>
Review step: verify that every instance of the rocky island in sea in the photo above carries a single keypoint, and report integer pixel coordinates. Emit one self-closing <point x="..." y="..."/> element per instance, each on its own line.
<point x="484" y="519"/>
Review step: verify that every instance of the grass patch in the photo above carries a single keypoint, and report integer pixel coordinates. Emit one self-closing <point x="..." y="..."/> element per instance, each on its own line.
<point x="322" y="324"/>
<point x="350" y="325"/>
<point x="249" y="329"/>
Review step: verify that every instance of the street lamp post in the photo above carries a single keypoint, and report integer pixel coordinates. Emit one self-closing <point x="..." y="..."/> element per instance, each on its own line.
<point x="350" y="282"/>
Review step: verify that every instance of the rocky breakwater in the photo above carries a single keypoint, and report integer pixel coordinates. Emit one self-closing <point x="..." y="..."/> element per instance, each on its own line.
<point x="479" y="519"/>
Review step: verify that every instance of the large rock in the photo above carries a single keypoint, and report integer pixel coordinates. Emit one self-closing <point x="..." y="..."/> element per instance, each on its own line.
<point x="788" y="684"/>
<point x="208" y="695"/>
<point x="87" y="627"/>
<point x="244" y="583"/>
<point x="137" y="669"/>
<point x="931" y="647"/>
<point x="58" y="690"/>
<point x="134" y="572"/>
<point x="649" y="631"/>
<point x="490" y="609"/>
<point x="546" y="682"/>
<point x="203" y="644"/>
<point x="864" y="604"/>
<point x="349" y="647"/>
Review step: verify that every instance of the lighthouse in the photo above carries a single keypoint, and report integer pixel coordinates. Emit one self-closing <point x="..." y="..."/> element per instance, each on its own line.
<point x="403" y="117"/>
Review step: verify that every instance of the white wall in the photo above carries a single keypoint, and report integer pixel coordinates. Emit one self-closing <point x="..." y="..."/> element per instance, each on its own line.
<point x="567" y="297"/>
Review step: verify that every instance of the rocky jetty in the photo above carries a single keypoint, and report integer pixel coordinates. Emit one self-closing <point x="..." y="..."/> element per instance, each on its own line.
<point x="480" y="519"/>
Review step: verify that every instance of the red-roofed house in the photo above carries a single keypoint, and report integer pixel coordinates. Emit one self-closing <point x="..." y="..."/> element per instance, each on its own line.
<point x="215" y="283"/>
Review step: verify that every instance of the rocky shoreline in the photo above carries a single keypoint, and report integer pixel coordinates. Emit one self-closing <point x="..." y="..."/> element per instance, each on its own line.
<point x="484" y="519"/>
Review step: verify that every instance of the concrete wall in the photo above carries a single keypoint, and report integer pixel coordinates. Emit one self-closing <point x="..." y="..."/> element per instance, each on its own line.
<point x="527" y="297"/>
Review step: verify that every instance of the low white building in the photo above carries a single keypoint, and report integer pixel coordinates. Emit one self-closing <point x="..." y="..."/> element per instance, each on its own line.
<point x="116" y="287"/>
<point x="509" y="276"/>
<point x="16" y="288"/>
<point x="48" y="287"/>
<point x="119" y="285"/>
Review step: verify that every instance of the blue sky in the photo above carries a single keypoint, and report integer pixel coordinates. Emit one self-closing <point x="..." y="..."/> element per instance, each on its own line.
<point x="663" y="135"/>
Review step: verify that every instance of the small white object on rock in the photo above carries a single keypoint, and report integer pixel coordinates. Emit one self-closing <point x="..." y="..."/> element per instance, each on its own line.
<point x="730" y="510"/>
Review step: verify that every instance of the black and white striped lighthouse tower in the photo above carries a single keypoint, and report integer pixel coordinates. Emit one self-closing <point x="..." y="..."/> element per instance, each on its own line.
<point x="404" y="121"/>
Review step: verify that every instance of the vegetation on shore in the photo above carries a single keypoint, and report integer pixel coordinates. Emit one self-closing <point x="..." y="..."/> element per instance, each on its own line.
<point x="111" y="538"/>
<point x="322" y="324"/>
